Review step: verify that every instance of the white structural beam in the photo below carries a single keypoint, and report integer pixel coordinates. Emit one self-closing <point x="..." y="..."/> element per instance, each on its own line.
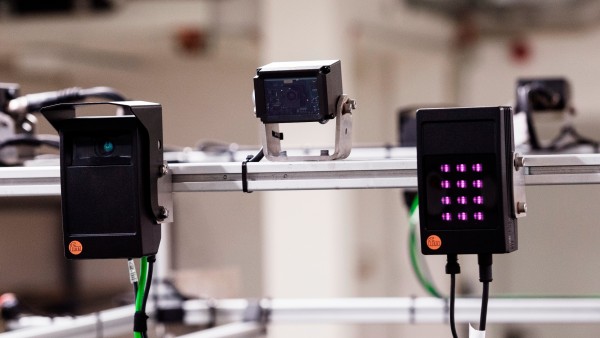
<point x="405" y="310"/>
<point x="272" y="176"/>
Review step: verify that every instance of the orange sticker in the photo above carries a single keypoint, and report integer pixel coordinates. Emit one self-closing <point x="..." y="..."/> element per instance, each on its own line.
<point x="75" y="247"/>
<point x="434" y="242"/>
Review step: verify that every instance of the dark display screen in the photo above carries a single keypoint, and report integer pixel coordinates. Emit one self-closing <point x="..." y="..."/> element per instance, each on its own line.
<point x="292" y="97"/>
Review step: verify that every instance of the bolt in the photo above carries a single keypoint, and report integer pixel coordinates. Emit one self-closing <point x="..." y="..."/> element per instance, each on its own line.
<point x="163" y="213"/>
<point x="521" y="207"/>
<point x="352" y="103"/>
<point x="164" y="170"/>
<point x="519" y="161"/>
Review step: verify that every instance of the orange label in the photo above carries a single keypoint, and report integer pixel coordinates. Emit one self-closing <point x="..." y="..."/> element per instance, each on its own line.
<point x="75" y="247"/>
<point x="434" y="242"/>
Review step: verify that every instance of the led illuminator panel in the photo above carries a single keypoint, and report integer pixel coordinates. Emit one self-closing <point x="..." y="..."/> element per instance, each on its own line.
<point x="464" y="158"/>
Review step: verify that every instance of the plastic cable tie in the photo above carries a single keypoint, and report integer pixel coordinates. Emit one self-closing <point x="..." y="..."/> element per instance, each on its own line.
<point x="140" y="322"/>
<point x="475" y="333"/>
<point x="245" y="175"/>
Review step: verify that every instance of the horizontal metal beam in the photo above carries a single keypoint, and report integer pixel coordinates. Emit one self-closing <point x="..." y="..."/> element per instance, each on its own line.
<point x="233" y="330"/>
<point x="347" y="174"/>
<point x="108" y="323"/>
<point x="405" y="310"/>
<point x="420" y="310"/>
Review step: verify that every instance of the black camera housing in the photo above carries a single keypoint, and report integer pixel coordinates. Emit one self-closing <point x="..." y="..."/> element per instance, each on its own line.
<point x="109" y="169"/>
<point x="465" y="180"/>
<point x="545" y="94"/>
<point x="298" y="91"/>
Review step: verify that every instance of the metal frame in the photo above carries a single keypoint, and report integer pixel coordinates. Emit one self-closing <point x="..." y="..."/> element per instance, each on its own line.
<point x="405" y="310"/>
<point x="359" y="172"/>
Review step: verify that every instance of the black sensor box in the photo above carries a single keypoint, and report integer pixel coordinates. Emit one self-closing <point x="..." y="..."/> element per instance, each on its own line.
<point x="109" y="167"/>
<point x="465" y="168"/>
<point x="304" y="91"/>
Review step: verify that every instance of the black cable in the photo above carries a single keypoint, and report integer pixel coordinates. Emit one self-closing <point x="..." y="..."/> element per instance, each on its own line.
<point x="452" y="299"/>
<point x="485" y="277"/>
<point x="256" y="158"/>
<point x="484" y="305"/>
<point x="34" y="102"/>
<point x="452" y="268"/>
<point x="31" y="140"/>
<point x="151" y="260"/>
<point x="102" y="92"/>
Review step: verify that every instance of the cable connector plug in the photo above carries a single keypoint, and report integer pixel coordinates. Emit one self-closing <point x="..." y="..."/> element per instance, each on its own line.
<point x="485" y="267"/>
<point x="452" y="266"/>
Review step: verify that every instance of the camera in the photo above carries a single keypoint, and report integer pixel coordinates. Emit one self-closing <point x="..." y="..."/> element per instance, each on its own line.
<point x="465" y="180"/>
<point x="305" y="91"/>
<point x="298" y="91"/>
<point x="114" y="183"/>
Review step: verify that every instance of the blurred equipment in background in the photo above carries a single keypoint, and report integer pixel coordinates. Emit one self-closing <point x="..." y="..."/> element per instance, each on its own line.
<point x="536" y="98"/>
<point x="36" y="7"/>
<point x="505" y="15"/>
<point x="18" y="122"/>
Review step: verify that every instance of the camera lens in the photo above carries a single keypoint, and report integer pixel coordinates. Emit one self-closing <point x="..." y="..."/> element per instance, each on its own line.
<point x="105" y="148"/>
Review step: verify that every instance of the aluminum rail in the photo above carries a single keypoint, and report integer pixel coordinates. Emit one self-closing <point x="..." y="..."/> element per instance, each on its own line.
<point x="233" y="330"/>
<point x="405" y="310"/>
<point x="347" y="174"/>
<point x="108" y="323"/>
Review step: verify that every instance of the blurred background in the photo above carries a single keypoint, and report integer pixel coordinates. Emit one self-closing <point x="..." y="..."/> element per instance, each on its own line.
<point x="197" y="58"/>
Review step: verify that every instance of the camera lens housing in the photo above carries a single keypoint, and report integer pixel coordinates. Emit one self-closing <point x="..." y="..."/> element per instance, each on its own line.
<point x="105" y="148"/>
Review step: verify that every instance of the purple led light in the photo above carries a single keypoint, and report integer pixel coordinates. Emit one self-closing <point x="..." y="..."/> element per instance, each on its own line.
<point x="461" y="167"/>
<point x="477" y="167"/>
<point x="446" y="200"/>
<point x="462" y="216"/>
<point x="461" y="200"/>
<point x="478" y="216"/>
<point x="478" y="184"/>
<point x="446" y="216"/>
<point x="461" y="184"/>
<point x="445" y="184"/>
<point x="478" y="199"/>
<point x="445" y="168"/>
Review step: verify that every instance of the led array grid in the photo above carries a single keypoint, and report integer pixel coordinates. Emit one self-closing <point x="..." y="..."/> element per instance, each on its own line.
<point x="462" y="191"/>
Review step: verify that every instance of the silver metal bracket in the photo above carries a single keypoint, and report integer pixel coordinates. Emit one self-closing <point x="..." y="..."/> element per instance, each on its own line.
<point x="271" y="139"/>
<point x="519" y="199"/>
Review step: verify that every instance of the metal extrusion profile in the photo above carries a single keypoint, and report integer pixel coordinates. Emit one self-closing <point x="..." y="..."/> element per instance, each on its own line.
<point x="348" y="174"/>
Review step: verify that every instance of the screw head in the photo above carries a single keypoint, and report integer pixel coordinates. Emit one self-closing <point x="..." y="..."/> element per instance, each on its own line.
<point x="164" y="170"/>
<point x="163" y="213"/>
<point x="521" y="207"/>
<point x="519" y="161"/>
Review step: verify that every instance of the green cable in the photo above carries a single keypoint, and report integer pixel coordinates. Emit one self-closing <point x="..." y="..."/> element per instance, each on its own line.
<point x="413" y="249"/>
<point x="140" y="292"/>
